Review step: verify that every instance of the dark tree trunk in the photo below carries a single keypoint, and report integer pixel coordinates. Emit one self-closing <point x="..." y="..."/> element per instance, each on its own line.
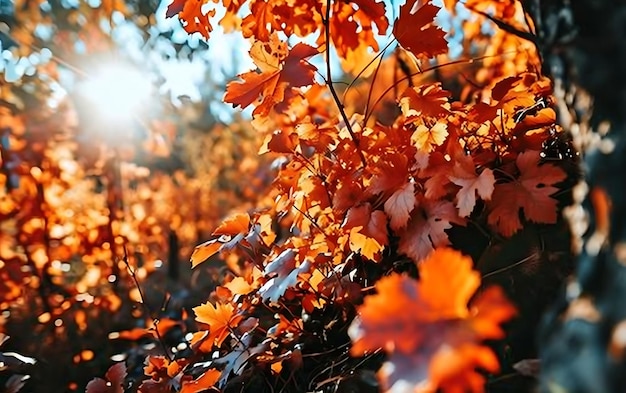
<point x="583" y="339"/>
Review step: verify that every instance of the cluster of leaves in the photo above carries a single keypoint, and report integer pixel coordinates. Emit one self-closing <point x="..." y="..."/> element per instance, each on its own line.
<point x="348" y="257"/>
<point x="69" y="229"/>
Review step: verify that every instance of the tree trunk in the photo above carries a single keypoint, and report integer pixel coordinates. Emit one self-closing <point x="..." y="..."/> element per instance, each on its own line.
<point x="583" y="339"/>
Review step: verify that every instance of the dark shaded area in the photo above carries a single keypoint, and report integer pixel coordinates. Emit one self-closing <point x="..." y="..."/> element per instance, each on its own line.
<point x="584" y="51"/>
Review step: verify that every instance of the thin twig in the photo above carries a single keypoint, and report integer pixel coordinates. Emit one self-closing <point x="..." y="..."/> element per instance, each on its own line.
<point x="433" y="68"/>
<point x="509" y="267"/>
<point x="155" y="321"/>
<point x="333" y="92"/>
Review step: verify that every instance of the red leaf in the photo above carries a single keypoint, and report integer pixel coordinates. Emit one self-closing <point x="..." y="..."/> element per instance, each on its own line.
<point x="192" y="17"/>
<point x="113" y="382"/>
<point x="426" y="229"/>
<point x="280" y="69"/>
<point x="464" y="175"/>
<point x="415" y="31"/>
<point x="400" y="205"/>
<point x="175" y="7"/>
<point x="531" y="192"/>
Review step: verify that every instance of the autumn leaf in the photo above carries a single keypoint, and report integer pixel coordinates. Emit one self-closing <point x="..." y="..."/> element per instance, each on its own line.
<point x="531" y="193"/>
<point x="426" y="228"/>
<point x="415" y="31"/>
<point x="426" y="100"/>
<point x="367" y="230"/>
<point x="191" y="16"/>
<point x="283" y="274"/>
<point x="427" y="138"/>
<point x="464" y="175"/>
<point x="113" y="382"/>
<point x="229" y="232"/>
<point x="204" y="251"/>
<point x="430" y="332"/>
<point x="279" y="69"/>
<point x="221" y="318"/>
<point x="204" y="382"/>
<point x="175" y="7"/>
<point x="234" y="225"/>
<point x="400" y="204"/>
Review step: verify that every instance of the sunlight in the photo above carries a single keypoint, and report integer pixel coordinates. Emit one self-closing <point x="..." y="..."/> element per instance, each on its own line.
<point x="117" y="92"/>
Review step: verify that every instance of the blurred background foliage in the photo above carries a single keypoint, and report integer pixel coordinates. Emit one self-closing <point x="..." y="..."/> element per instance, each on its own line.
<point x="116" y="155"/>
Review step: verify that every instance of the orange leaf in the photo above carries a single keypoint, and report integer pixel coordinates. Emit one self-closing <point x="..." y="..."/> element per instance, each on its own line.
<point x="239" y="286"/>
<point x="395" y="317"/>
<point x="220" y="318"/>
<point x="239" y="223"/>
<point x="192" y="17"/>
<point x="426" y="229"/>
<point x="427" y="138"/>
<point x="415" y="31"/>
<point x="400" y="204"/>
<point x="425" y="100"/>
<point x="531" y="192"/>
<point x="464" y="175"/>
<point x="279" y="68"/>
<point x="207" y="380"/>
<point x="433" y="338"/>
<point x="204" y="251"/>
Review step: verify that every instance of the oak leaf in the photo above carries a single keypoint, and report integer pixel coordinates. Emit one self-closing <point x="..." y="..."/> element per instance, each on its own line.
<point x="415" y="31"/>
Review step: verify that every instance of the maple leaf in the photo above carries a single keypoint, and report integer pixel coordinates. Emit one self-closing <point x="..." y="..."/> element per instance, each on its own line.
<point x="464" y="175"/>
<point x="415" y="31"/>
<point x="351" y="30"/>
<point x="234" y="361"/>
<point x="191" y="16"/>
<point x="113" y="382"/>
<point x="284" y="275"/>
<point x="367" y="230"/>
<point x="221" y="318"/>
<point x="279" y="69"/>
<point x="230" y="231"/>
<point x="427" y="138"/>
<point x="400" y="204"/>
<point x="431" y="334"/>
<point x="205" y="381"/>
<point x="531" y="192"/>
<point x="425" y="100"/>
<point x="426" y="228"/>
<point x="234" y="225"/>
<point x="261" y="16"/>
